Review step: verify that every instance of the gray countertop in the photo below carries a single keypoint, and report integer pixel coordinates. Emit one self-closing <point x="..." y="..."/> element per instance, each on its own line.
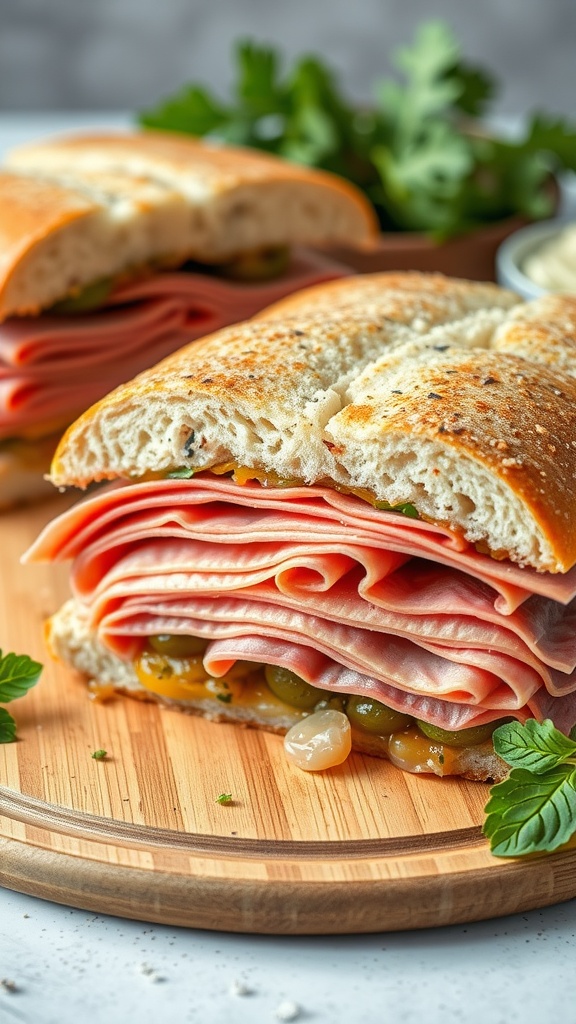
<point x="68" y="965"/>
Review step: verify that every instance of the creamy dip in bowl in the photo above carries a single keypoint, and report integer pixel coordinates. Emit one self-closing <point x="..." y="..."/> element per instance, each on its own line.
<point x="539" y="258"/>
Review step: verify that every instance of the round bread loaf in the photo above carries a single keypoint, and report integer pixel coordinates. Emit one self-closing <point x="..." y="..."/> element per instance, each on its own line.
<point x="414" y="388"/>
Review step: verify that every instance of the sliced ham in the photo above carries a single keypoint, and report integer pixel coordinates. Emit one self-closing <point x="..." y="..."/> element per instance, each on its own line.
<point x="175" y="508"/>
<point x="351" y="598"/>
<point x="52" y="367"/>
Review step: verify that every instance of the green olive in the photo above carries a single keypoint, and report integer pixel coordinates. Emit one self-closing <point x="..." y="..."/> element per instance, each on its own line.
<point x="92" y="296"/>
<point x="175" y="646"/>
<point x="337" y="702"/>
<point x="258" y="264"/>
<point x="372" y="716"/>
<point x="291" y="688"/>
<point x="460" y="738"/>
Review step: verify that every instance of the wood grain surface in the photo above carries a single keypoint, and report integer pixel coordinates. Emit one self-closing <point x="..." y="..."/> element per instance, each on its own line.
<point x="363" y="847"/>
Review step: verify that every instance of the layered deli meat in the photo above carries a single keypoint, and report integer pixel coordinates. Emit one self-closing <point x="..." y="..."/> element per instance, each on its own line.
<point x="352" y="598"/>
<point x="53" y="366"/>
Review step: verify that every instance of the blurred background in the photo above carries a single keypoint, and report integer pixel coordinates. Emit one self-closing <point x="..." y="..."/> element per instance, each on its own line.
<point x="126" y="54"/>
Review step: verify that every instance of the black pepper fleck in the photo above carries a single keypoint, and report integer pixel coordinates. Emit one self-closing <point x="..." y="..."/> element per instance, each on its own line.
<point x="432" y="394"/>
<point x="489" y="380"/>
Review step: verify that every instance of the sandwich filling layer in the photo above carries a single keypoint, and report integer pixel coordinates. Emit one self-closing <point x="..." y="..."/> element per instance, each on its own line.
<point x="351" y="599"/>
<point x="54" y="366"/>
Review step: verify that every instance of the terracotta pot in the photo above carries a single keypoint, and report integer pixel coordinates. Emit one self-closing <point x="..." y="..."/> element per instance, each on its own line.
<point x="471" y="255"/>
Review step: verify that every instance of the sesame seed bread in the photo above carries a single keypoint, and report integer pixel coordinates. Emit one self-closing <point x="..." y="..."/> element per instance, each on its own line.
<point x="76" y="210"/>
<point x="262" y="393"/>
<point x="399" y="384"/>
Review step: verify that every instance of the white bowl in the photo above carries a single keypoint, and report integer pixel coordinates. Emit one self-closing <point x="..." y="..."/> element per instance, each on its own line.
<point x="512" y="254"/>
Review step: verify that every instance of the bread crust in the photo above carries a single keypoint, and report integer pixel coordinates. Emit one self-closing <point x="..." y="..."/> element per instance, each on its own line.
<point x="154" y="199"/>
<point x="514" y="418"/>
<point x="30" y="212"/>
<point x="366" y="368"/>
<point x="215" y="168"/>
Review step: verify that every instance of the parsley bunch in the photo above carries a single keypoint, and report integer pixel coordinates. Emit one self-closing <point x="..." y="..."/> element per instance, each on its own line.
<point x="419" y="152"/>
<point x="18" y="673"/>
<point x="534" y="809"/>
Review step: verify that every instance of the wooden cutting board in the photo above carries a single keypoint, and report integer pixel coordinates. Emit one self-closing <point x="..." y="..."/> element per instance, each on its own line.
<point x="363" y="847"/>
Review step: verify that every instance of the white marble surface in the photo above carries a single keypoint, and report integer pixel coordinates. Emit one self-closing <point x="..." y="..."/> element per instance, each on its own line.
<point x="68" y="965"/>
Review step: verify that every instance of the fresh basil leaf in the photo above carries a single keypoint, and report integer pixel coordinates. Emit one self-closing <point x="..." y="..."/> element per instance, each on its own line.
<point x="535" y="746"/>
<point x="530" y="813"/>
<point x="7" y="727"/>
<point x="183" y="473"/>
<point x="18" y="673"/>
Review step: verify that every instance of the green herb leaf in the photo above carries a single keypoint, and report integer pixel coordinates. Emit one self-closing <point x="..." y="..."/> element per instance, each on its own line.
<point x="418" y="154"/>
<point x="257" y="86"/>
<point x="426" y="64"/>
<point x="476" y="88"/>
<point x="224" y="798"/>
<point x="404" y="507"/>
<point x="226" y="698"/>
<point x="183" y="473"/>
<point x="192" y="111"/>
<point x="18" y="673"/>
<point x="100" y="755"/>
<point x="535" y="746"/>
<point x="554" y="137"/>
<point x="534" y="809"/>
<point x="530" y="813"/>
<point x="7" y="727"/>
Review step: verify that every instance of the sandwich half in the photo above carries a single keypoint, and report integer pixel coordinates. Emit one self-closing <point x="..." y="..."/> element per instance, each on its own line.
<point x="117" y="250"/>
<point x="360" y="501"/>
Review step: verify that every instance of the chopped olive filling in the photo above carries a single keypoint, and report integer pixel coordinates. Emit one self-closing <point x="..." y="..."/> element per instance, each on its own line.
<point x="268" y="478"/>
<point x="247" y="267"/>
<point x="172" y="666"/>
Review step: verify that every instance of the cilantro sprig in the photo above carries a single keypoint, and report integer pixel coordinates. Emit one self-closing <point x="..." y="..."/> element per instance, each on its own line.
<point x="420" y="151"/>
<point x="18" y="673"/>
<point x="534" y="809"/>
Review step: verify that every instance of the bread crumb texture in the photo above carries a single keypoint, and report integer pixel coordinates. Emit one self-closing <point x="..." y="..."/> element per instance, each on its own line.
<point x="451" y="395"/>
